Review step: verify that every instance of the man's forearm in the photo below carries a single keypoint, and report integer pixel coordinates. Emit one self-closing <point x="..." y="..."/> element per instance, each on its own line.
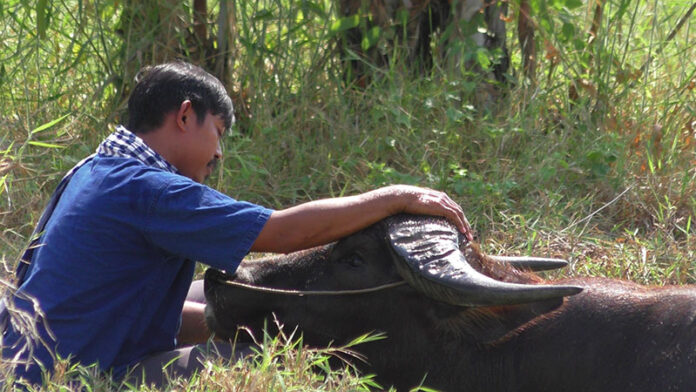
<point x="323" y="221"/>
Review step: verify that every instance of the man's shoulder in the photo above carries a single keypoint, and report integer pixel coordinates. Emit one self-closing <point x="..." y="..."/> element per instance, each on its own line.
<point x="127" y="178"/>
<point x="107" y="183"/>
<point x="129" y="172"/>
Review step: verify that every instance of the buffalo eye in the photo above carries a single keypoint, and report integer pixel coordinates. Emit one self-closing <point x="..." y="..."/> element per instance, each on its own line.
<point x="353" y="260"/>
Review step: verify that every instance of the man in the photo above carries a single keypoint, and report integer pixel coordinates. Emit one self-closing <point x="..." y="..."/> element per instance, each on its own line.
<point x="122" y="233"/>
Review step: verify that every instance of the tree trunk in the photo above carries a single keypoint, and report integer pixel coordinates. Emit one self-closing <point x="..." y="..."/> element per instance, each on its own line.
<point x="525" y="35"/>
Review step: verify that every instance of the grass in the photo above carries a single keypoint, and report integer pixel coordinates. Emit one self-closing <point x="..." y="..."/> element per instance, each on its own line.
<point x="280" y="364"/>
<point x="605" y="179"/>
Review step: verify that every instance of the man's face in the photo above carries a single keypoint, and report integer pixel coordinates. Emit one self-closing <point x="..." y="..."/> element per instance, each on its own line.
<point x="202" y="146"/>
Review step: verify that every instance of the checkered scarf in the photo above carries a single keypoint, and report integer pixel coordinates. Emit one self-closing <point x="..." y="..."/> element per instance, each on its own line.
<point x="124" y="143"/>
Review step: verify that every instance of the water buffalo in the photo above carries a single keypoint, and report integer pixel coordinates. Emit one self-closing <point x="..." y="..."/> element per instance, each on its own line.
<point x="462" y="320"/>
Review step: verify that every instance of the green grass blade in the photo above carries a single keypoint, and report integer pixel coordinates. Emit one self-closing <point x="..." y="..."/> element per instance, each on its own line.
<point x="49" y="124"/>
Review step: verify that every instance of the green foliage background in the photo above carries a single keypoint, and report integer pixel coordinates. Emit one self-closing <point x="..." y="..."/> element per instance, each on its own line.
<point x="605" y="180"/>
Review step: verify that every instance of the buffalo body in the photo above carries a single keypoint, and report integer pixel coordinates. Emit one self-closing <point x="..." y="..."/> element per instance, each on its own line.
<point x="613" y="336"/>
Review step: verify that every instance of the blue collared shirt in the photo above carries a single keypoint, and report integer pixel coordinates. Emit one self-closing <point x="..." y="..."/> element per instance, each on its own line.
<point x="115" y="263"/>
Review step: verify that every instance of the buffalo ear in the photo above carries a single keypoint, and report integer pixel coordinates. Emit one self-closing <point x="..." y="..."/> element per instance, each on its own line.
<point x="214" y="314"/>
<point x="426" y="252"/>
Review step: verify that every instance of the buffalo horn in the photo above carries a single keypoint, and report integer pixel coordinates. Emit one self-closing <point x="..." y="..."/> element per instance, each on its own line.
<point x="426" y="253"/>
<point x="531" y="263"/>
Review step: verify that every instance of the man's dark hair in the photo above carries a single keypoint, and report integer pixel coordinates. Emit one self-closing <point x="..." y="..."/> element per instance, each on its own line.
<point x="162" y="88"/>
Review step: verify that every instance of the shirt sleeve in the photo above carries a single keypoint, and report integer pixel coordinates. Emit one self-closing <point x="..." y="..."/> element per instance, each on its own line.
<point x="197" y="222"/>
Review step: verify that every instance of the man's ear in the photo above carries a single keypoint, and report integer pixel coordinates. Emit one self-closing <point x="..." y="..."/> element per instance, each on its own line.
<point x="184" y="115"/>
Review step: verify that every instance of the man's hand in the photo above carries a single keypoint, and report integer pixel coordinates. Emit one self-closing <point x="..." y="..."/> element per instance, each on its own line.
<point x="425" y="201"/>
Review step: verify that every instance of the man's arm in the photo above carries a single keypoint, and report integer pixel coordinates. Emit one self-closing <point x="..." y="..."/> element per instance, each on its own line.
<point x="322" y="221"/>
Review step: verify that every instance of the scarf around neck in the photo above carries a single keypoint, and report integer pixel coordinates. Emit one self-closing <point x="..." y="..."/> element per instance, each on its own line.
<point x="126" y="144"/>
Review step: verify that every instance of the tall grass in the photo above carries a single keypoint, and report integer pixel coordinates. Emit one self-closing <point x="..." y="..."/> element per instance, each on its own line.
<point x="604" y="177"/>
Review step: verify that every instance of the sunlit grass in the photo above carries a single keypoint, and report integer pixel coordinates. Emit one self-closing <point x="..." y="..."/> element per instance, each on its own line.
<point x="280" y="363"/>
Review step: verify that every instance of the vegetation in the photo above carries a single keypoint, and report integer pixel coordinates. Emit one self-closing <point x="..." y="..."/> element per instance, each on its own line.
<point x="590" y="159"/>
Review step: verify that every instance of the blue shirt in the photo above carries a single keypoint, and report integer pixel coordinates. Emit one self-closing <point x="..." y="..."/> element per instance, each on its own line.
<point x="117" y="260"/>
